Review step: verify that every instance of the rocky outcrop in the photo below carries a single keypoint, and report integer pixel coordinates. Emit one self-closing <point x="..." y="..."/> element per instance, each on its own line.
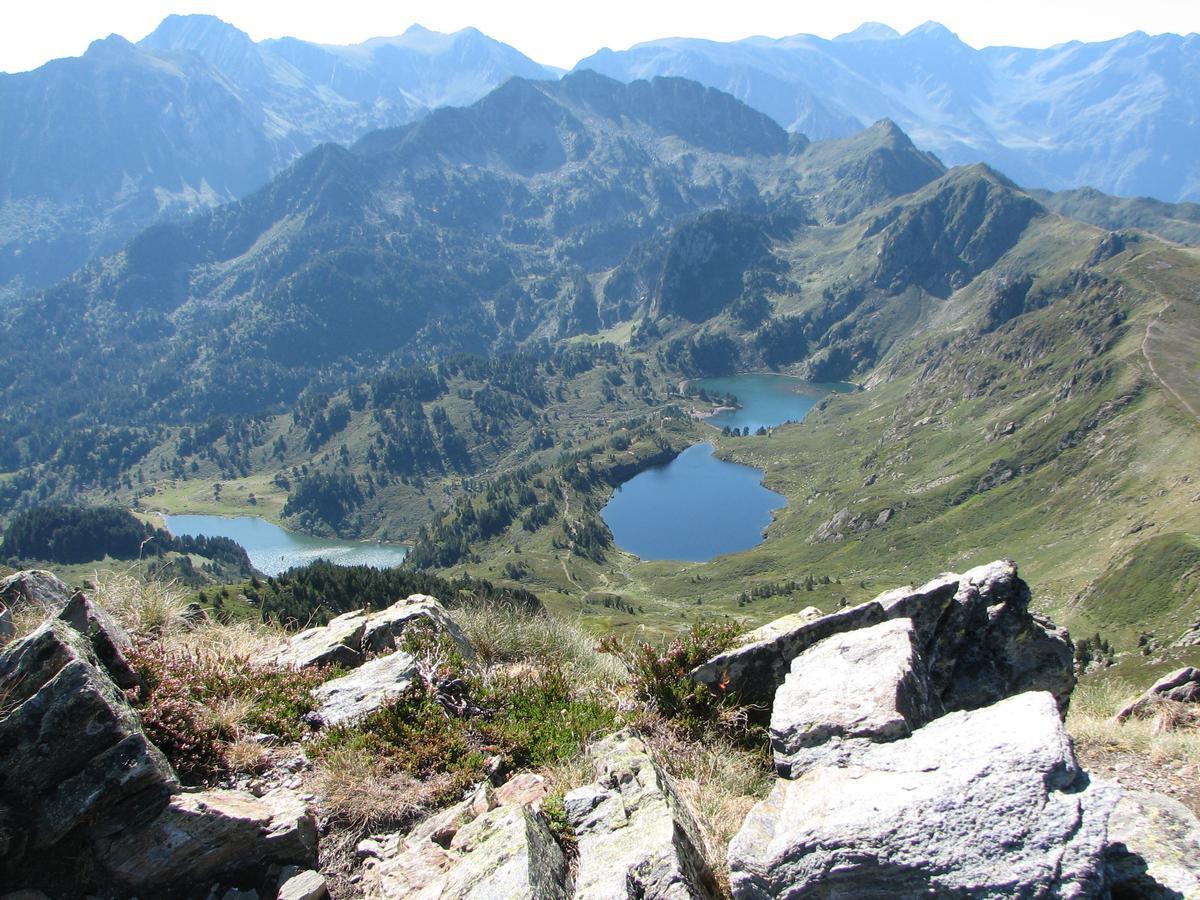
<point x="848" y="692"/>
<point x="475" y="849"/>
<point x="988" y="802"/>
<point x="34" y="586"/>
<point x="76" y="762"/>
<point x="1154" y="850"/>
<point x="212" y="834"/>
<point x="349" y="638"/>
<point x="636" y="837"/>
<point x="1181" y="686"/>
<point x="975" y="632"/>
<point x="366" y="689"/>
<point x="755" y="668"/>
<point x="109" y="641"/>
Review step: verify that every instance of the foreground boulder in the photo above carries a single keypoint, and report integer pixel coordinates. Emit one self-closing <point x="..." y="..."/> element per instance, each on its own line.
<point x="636" y="837"/>
<point x="348" y="638"/>
<point x="364" y="690"/>
<point x="108" y="639"/>
<point x="1154" y="850"/>
<point x="213" y="834"/>
<point x="76" y="762"/>
<point x="848" y="692"/>
<point x="975" y="632"/>
<point x="989" y="802"/>
<point x="37" y="587"/>
<point x="475" y="849"/>
<point x="1181" y="686"/>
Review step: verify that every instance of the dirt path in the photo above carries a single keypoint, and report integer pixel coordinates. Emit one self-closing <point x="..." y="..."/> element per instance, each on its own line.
<point x="1176" y="342"/>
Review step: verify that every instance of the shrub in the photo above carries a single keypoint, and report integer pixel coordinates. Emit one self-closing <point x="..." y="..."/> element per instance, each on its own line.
<point x="660" y="673"/>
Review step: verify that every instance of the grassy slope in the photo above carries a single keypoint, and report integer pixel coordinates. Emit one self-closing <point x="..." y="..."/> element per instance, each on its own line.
<point x="1101" y="459"/>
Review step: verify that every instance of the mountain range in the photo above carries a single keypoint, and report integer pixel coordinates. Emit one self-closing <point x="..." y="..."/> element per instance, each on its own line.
<point x="94" y="148"/>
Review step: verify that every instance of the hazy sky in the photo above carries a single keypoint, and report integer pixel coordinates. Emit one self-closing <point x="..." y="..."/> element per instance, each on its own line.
<point x="561" y="32"/>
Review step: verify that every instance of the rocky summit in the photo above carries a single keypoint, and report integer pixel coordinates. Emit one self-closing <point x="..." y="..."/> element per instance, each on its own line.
<point x="918" y="741"/>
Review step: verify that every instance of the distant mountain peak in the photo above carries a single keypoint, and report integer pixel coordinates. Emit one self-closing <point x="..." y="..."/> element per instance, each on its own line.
<point x="195" y="31"/>
<point x="870" y="31"/>
<point x="113" y="46"/>
<point x="933" y="30"/>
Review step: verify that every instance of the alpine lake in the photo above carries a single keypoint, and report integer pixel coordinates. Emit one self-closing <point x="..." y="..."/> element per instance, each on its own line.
<point x="697" y="506"/>
<point x="273" y="550"/>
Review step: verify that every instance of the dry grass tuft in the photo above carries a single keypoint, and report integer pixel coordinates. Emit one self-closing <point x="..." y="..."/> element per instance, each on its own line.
<point x="502" y="635"/>
<point x="25" y="619"/>
<point x="364" y="794"/>
<point x="143" y="607"/>
<point x="1171" y="734"/>
<point x="719" y="781"/>
<point x="244" y="756"/>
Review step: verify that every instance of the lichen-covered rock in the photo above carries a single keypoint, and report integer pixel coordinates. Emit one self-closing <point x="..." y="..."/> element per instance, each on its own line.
<point x="350" y="637"/>
<point x="847" y="692"/>
<point x="754" y="669"/>
<point x="1154" y="848"/>
<point x="364" y="690"/>
<point x="34" y="586"/>
<point x="1180" y="686"/>
<point x="109" y="641"/>
<point x="975" y="632"/>
<point x="207" y="835"/>
<point x="507" y="852"/>
<point x="636" y="836"/>
<point x="75" y="758"/>
<point x="983" y="803"/>
<point x="306" y="885"/>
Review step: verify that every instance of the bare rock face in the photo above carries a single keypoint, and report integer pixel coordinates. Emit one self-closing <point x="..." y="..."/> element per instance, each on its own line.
<point x="347" y="639"/>
<point x="474" y="849"/>
<point x="636" y="836"/>
<point x="975" y="632"/>
<point x="34" y="586"/>
<point x="1181" y="686"/>
<point x="848" y="692"/>
<point x="75" y="759"/>
<point x="108" y="639"/>
<point x="755" y="668"/>
<point x="982" y="803"/>
<point x="207" y="835"/>
<point x="1154" y="848"/>
<point x="364" y="690"/>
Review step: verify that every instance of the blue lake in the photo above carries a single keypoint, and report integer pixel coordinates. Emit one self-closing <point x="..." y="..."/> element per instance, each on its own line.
<point x="767" y="400"/>
<point x="693" y="508"/>
<point x="273" y="550"/>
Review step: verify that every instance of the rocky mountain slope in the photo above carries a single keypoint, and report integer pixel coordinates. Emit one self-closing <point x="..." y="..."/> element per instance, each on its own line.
<point x="96" y="148"/>
<point x="1118" y="115"/>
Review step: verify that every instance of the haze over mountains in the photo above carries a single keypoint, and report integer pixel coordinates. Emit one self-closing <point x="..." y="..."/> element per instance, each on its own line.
<point x="94" y="148"/>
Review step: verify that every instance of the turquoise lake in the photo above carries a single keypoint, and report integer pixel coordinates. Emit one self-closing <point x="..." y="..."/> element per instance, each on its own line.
<point x="767" y="400"/>
<point x="273" y="550"/>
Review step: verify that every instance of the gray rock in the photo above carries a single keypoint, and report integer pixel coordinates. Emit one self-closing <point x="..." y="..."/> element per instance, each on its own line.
<point x="205" y="835"/>
<point x="636" y="836"/>
<point x="1154" y="848"/>
<point x="37" y="587"/>
<point x="755" y="668"/>
<point x="507" y="852"/>
<point x="847" y="692"/>
<point x="108" y="639"/>
<point x="7" y="629"/>
<point x="306" y="885"/>
<point x="347" y="639"/>
<point x="984" y="803"/>
<point x="338" y="643"/>
<point x="978" y="639"/>
<point x="1181" y="686"/>
<point x="364" y="690"/>
<point x="75" y="757"/>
